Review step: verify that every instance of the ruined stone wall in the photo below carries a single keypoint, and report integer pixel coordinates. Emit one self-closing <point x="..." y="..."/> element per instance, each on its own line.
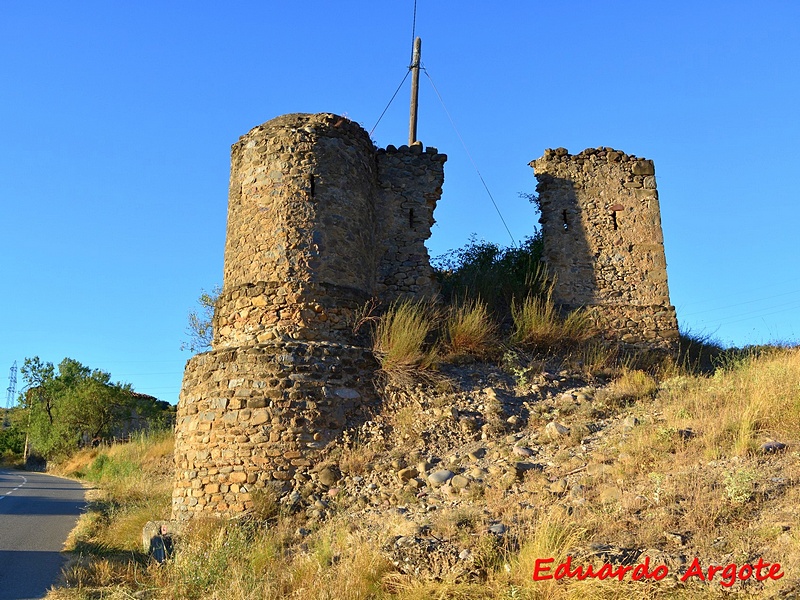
<point x="410" y="183"/>
<point x="319" y="222"/>
<point x="601" y="227"/>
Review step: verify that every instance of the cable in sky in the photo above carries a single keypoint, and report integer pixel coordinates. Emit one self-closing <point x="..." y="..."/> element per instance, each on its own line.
<point x="486" y="187"/>
<point x="740" y="303"/>
<point x="390" y="103"/>
<point x="413" y="38"/>
<point x="748" y="316"/>
<point x="413" y="31"/>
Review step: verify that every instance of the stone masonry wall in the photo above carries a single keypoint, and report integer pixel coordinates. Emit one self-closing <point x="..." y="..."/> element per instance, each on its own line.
<point x="300" y="217"/>
<point x="410" y="183"/>
<point x="262" y="415"/>
<point x="601" y="227"/>
<point x="319" y="223"/>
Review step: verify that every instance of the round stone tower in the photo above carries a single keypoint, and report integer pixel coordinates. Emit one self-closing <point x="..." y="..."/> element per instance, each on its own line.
<point x="319" y="223"/>
<point x="299" y="255"/>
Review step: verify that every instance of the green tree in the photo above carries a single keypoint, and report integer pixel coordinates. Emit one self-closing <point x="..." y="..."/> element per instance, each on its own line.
<point x="12" y="438"/>
<point x="74" y="404"/>
<point x="498" y="276"/>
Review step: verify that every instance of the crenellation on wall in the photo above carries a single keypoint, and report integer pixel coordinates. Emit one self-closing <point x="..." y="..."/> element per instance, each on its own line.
<point x="601" y="227"/>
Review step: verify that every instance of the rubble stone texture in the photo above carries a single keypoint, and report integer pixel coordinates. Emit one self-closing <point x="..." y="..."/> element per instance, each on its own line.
<point x="601" y="227"/>
<point x="319" y="223"/>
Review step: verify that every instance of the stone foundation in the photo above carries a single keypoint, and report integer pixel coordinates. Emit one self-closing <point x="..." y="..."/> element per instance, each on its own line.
<point x="263" y="415"/>
<point x="638" y="327"/>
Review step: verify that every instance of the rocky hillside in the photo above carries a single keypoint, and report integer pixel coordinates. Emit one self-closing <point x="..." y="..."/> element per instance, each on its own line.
<point x="468" y="480"/>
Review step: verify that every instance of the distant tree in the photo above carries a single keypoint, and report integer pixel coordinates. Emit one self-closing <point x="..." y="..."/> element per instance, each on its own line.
<point x="12" y="438"/>
<point x="38" y="377"/>
<point x="200" y="330"/>
<point x="74" y="403"/>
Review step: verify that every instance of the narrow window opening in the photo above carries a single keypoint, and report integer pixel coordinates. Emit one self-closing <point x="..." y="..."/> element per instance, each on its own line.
<point x="564" y="217"/>
<point x="614" y="219"/>
<point x="311" y="183"/>
<point x="411" y="218"/>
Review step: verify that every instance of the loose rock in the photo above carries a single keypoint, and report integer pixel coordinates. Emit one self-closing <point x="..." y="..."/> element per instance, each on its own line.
<point x="439" y="478"/>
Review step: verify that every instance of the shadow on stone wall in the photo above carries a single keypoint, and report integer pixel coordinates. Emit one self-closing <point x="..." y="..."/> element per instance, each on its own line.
<point x="567" y="252"/>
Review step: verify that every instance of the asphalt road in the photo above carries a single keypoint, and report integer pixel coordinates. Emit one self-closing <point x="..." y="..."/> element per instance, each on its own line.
<point x="37" y="512"/>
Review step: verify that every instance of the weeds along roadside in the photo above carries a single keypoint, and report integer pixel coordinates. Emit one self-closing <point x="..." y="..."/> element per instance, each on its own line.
<point x="128" y="484"/>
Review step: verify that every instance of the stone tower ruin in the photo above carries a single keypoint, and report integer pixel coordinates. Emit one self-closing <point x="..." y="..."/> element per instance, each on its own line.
<point x="319" y="223"/>
<point x="601" y="228"/>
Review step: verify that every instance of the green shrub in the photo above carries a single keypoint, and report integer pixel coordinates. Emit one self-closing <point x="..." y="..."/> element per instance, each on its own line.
<point x="110" y="468"/>
<point x="12" y="441"/>
<point x="740" y="485"/>
<point x="496" y="275"/>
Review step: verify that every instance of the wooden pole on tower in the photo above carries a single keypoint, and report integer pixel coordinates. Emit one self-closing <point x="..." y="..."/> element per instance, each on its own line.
<point x="412" y="127"/>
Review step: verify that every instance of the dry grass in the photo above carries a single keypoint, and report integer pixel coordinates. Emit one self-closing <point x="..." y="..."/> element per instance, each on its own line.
<point x="240" y="561"/>
<point x="134" y="485"/>
<point x="631" y="385"/>
<point x="470" y="331"/>
<point x="710" y="485"/>
<point x="597" y="357"/>
<point x="539" y="325"/>
<point x="400" y="337"/>
<point x="356" y="459"/>
<point x="740" y="407"/>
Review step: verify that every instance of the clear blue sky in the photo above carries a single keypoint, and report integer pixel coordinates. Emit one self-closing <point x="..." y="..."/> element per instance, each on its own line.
<point x="116" y="121"/>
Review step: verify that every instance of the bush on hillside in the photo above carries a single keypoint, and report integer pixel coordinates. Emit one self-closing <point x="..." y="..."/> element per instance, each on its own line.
<point x="498" y="276"/>
<point x="538" y="325"/>
<point x="469" y="330"/>
<point x="12" y="441"/>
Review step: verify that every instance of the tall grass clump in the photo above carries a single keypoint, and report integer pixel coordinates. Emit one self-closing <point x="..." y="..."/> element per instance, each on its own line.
<point x="238" y="561"/>
<point x="134" y="485"/>
<point x="470" y="330"/>
<point x="400" y="337"/>
<point x="631" y="385"/>
<point x="126" y="469"/>
<point x="538" y="324"/>
<point x="550" y="536"/>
